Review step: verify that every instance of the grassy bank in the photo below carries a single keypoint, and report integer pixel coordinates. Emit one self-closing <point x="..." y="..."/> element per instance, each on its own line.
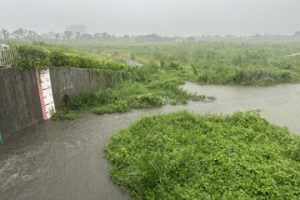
<point x="187" y="156"/>
<point x="167" y="67"/>
<point x="221" y="63"/>
<point x="151" y="87"/>
<point x="224" y="63"/>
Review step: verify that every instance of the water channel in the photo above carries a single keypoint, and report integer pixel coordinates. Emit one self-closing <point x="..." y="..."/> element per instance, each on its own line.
<point x="62" y="160"/>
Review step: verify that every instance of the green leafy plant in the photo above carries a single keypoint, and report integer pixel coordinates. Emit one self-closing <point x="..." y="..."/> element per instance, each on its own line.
<point x="65" y="114"/>
<point x="188" y="156"/>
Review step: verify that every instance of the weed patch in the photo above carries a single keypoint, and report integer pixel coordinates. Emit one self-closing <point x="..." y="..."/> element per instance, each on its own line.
<point x="65" y="114"/>
<point x="187" y="156"/>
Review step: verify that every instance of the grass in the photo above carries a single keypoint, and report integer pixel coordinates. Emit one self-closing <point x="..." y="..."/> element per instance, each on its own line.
<point x="167" y="67"/>
<point x="187" y="156"/>
<point x="65" y="114"/>
<point x="222" y="63"/>
<point x="150" y="87"/>
<point x="131" y="95"/>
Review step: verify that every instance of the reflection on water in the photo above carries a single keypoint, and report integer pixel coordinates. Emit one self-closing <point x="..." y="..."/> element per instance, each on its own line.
<point x="64" y="160"/>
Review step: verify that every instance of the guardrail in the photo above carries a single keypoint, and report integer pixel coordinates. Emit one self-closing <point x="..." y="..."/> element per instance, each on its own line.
<point x="8" y="54"/>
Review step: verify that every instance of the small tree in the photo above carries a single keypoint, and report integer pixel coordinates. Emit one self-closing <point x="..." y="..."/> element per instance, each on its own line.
<point x="297" y="33"/>
<point x="57" y="35"/>
<point x="68" y="34"/>
<point x="5" y="34"/>
<point x="77" y="35"/>
<point x="32" y="35"/>
<point x="87" y="36"/>
<point x="19" y="33"/>
<point x="191" y="39"/>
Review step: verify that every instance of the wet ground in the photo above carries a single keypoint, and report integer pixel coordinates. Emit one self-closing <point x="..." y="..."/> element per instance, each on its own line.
<point x="64" y="160"/>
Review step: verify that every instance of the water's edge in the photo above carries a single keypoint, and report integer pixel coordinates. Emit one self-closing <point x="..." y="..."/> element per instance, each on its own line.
<point x="64" y="159"/>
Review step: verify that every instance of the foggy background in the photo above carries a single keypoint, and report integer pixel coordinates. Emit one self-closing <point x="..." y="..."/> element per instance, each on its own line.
<point x="164" y="17"/>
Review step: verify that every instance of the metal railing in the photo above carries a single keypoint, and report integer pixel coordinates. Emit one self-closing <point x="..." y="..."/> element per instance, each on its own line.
<point x="8" y="54"/>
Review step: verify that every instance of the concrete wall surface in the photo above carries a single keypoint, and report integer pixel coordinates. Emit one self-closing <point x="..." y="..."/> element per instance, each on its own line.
<point x="20" y="104"/>
<point x="70" y="81"/>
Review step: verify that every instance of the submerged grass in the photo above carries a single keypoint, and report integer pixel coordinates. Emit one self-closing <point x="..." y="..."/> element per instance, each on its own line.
<point x="187" y="156"/>
<point x="152" y="87"/>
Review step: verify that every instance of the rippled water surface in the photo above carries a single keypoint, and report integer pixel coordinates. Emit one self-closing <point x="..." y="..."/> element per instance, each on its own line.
<point x="64" y="160"/>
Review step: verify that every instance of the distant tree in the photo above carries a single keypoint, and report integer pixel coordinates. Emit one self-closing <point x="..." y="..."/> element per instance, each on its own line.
<point x="77" y="35"/>
<point x="19" y="33"/>
<point x="86" y="36"/>
<point x="97" y="35"/>
<point x="297" y="33"/>
<point x="218" y="37"/>
<point x="257" y="35"/>
<point x="151" y="38"/>
<point x="105" y="36"/>
<point x="68" y="34"/>
<point x="5" y="34"/>
<point x="57" y="35"/>
<point x="32" y="35"/>
<point x="191" y="39"/>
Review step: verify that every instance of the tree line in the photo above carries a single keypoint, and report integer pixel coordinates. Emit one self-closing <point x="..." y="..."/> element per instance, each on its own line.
<point x="24" y="34"/>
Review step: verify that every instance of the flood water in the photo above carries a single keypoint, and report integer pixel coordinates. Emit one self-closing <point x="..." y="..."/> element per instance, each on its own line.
<point x="279" y="104"/>
<point x="64" y="160"/>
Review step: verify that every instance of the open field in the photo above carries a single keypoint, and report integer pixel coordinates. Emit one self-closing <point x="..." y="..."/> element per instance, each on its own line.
<point x="222" y="63"/>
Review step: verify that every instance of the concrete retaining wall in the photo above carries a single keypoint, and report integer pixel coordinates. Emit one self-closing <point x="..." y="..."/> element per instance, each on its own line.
<point x="19" y="98"/>
<point x="69" y="81"/>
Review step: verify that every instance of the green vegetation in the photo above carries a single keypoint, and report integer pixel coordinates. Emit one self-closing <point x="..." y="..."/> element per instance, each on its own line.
<point x="222" y="63"/>
<point x="149" y="88"/>
<point x="65" y="114"/>
<point x="258" y="64"/>
<point x="43" y="58"/>
<point x="182" y="155"/>
<point x="187" y="156"/>
<point x="166" y="67"/>
<point x="151" y="85"/>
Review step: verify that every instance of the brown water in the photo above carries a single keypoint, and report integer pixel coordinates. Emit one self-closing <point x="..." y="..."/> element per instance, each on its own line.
<point x="279" y="104"/>
<point x="64" y="160"/>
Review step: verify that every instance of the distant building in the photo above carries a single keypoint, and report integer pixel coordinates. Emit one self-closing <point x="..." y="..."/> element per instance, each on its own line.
<point x="77" y="28"/>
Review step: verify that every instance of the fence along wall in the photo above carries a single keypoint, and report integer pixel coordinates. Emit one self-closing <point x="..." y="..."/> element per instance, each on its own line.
<point x="7" y="55"/>
<point x="20" y="104"/>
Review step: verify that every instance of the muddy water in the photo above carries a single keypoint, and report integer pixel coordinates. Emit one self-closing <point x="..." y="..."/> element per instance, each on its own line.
<point x="279" y="104"/>
<point x="64" y="160"/>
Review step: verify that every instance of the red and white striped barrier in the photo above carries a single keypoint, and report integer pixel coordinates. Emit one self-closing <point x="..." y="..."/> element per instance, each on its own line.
<point x="45" y="92"/>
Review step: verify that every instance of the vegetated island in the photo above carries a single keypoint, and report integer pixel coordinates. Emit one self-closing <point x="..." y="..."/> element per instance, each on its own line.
<point x="187" y="156"/>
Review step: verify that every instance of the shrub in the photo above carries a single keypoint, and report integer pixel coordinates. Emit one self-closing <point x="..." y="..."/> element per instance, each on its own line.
<point x="34" y="57"/>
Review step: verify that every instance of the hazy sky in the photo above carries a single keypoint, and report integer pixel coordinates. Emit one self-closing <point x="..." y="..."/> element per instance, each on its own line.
<point x="165" y="17"/>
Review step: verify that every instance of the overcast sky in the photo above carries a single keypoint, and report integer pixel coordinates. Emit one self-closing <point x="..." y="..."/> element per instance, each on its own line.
<point x="165" y="17"/>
